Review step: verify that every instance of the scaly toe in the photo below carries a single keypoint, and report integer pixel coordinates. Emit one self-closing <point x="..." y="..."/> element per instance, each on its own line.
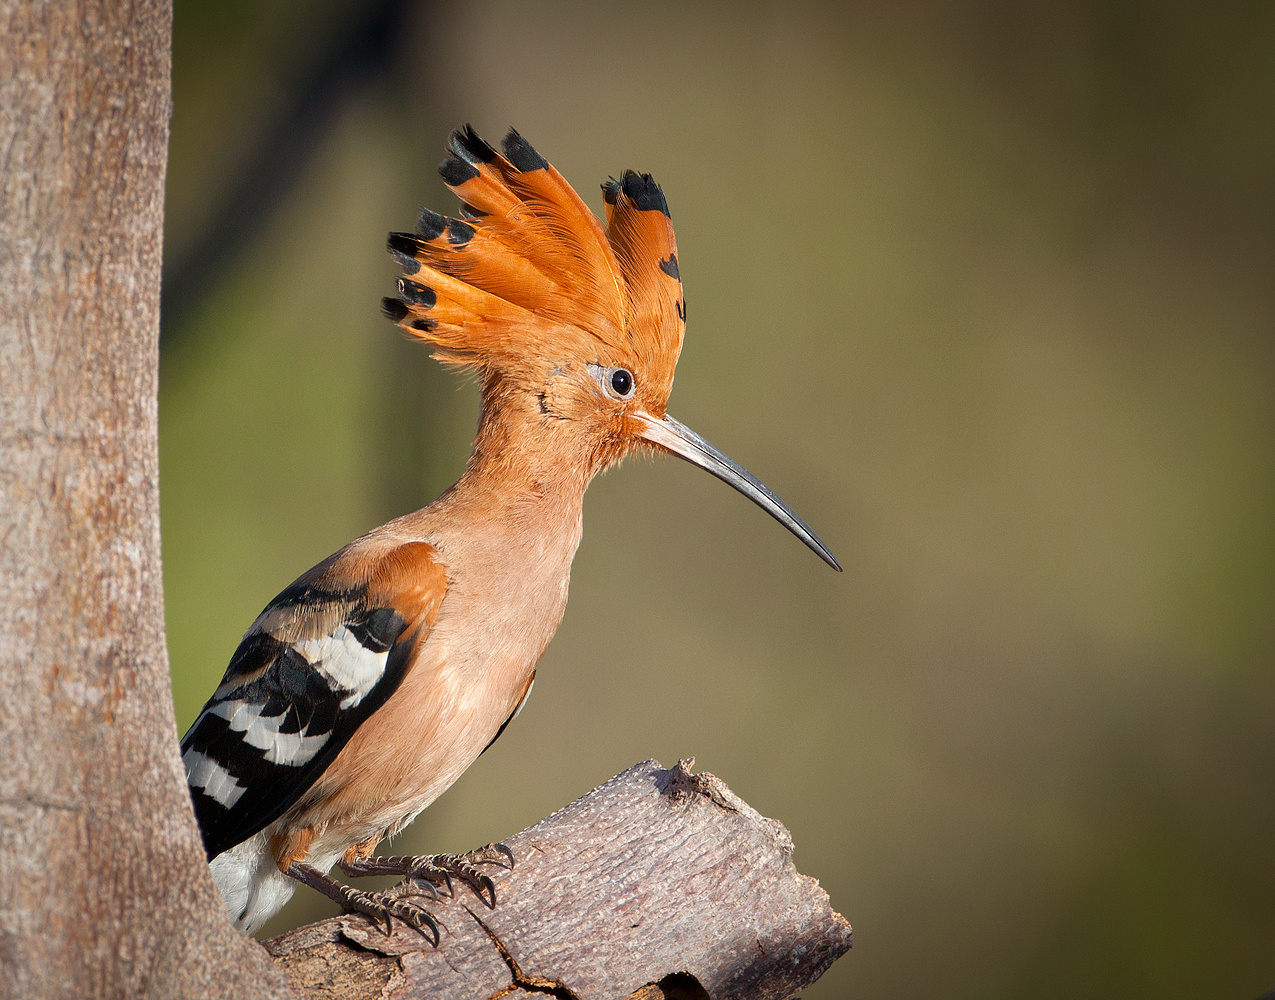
<point x="444" y="866"/>
<point x="383" y="906"/>
<point x="414" y="887"/>
<point x="415" y="916"/>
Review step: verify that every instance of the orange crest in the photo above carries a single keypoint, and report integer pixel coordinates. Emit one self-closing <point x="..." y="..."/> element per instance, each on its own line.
<point x="529" y="278"/>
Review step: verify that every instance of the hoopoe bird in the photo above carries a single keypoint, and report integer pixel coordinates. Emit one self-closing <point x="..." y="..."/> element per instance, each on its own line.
<point x="370" y="684"/>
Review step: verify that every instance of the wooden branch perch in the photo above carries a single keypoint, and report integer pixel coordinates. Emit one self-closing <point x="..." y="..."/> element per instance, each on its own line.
<point x="659" y="883"/>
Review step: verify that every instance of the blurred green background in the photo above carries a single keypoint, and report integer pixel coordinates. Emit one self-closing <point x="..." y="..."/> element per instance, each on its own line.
<point x="985" y="290"/>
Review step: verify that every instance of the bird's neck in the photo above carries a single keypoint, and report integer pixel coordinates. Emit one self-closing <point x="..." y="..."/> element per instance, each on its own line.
<point x="524" y="465"/>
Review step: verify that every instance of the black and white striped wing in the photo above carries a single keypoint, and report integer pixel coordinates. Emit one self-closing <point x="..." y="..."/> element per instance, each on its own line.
<point x="316" y="664"/>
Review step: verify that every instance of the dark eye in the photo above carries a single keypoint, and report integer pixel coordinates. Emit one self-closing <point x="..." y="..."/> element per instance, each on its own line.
<point x="622" y="381"/>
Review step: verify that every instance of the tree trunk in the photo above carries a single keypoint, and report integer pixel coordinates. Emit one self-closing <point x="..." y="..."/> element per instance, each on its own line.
<point x="103" y="884"/>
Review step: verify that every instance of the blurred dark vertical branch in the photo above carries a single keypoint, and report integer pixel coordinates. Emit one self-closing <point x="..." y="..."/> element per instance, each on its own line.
<point x="360" y="53"/>
<point x="368" y="53"/>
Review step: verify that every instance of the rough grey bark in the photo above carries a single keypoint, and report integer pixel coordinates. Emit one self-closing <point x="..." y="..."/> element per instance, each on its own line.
<point x="660" y="883"/>
<point x="103" y="887"/>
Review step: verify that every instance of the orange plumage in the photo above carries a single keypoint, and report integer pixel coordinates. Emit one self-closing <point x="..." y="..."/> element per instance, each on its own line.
<point x="370" y="684"/>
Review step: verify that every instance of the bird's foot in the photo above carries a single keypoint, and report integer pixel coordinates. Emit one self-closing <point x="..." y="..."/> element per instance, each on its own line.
<point x="380" y="906"/>
<point x="436" y="870"/>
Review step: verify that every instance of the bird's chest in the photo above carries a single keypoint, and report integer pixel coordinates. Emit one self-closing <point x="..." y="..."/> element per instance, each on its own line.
<point x="502" y="607"/>
<point x="506" y="595"/>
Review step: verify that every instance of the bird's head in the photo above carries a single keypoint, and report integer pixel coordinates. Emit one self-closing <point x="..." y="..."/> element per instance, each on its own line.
<point x="575" y="326"/>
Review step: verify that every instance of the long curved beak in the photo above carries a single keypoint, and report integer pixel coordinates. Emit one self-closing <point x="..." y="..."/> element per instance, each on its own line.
<point x="674" y="436"/>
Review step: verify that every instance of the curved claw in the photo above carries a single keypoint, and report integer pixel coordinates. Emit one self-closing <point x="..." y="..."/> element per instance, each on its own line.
<point x="418" y="886"/>
<point x="377" y="908"/>
<point x="507" y="853"/>
<point x="421" y="870"/>
<point x="466" y="869"/>
<point x="473" y="858"/>
<point x="418" y="918"/>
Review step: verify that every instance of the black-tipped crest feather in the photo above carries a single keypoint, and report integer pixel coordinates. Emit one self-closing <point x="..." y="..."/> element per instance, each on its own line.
<point x="642" y="190"/>
<point x="430" y="224"/>
<point x="521" y="153"/>
<point x="404" y="247"/>
<point x="416" y="294"/>
<point x="459" y="233"/>
<point x="469" y="146"/>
